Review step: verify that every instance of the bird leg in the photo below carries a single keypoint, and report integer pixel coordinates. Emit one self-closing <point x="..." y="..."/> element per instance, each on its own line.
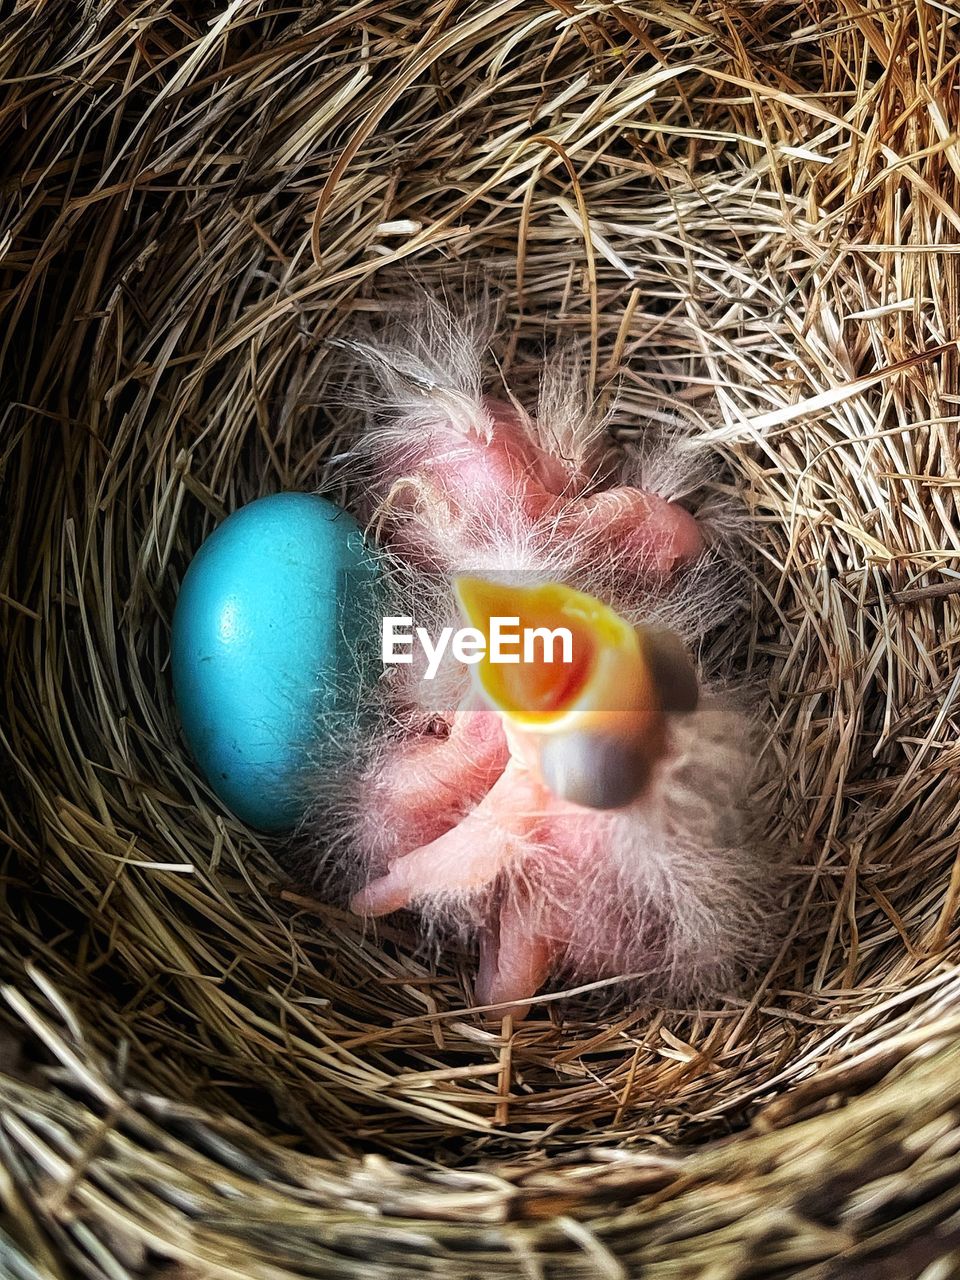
<point x="516" y="955"/>
<point x="468" y="856"/>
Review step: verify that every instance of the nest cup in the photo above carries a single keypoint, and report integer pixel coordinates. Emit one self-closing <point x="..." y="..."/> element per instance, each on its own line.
<point x="747" y="218"/>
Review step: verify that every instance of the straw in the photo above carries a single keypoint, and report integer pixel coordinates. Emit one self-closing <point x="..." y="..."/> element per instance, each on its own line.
<point x="748" y="215"/>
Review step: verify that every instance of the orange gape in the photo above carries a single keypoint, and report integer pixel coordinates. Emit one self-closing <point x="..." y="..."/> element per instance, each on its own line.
<point x="605" y="693"/>
<point x="541" y="687"/>
<point x="530" y="685"/>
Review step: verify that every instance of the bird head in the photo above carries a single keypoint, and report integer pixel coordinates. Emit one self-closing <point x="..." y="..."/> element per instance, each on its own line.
<point x="583" y="695"/>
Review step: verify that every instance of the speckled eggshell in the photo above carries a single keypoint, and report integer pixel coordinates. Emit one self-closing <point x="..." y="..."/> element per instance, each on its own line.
<point x="273" y="612"/>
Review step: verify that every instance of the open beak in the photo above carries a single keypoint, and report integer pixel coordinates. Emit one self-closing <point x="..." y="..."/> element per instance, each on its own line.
<point x="583" y="695"/>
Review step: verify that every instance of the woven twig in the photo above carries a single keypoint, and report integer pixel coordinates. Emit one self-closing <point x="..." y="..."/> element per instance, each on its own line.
<point x="748" y="216"/>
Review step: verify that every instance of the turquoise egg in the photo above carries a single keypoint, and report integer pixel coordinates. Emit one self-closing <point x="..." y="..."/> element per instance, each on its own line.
<point x="269" y="632"/>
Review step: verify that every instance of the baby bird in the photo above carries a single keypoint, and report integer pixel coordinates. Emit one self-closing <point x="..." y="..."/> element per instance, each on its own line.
<point x="582" y="818"/>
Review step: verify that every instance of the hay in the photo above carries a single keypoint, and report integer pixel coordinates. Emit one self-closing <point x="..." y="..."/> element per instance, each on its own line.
<point x="748" y="213"/>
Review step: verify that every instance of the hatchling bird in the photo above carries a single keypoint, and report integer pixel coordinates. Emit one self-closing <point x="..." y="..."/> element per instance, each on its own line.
<point x="580" y="818"/>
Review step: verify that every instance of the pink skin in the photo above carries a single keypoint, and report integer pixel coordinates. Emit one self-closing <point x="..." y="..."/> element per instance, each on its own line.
<point x="452" y="815"/>
<point x="545" y="916"/>
<point x="468" y="856"/>
<point x="458" y="475"/>
<point x="519" y="824"/>
<point x="659" y="536"/>
<point x="515" y="960"/>
<point x="473" y="473"/>
<point x="461" y="474"/>
<point x="427" y="784"/>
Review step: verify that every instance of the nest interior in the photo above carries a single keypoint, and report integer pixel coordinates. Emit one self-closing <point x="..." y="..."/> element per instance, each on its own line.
<point x="747" y="213"/>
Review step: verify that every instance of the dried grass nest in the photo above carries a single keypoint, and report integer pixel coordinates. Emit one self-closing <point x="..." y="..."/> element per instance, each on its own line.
<point x="748" y="214"/>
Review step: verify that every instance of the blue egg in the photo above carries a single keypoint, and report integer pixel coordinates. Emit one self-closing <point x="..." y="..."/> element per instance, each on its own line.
<point x="269" y="631"/>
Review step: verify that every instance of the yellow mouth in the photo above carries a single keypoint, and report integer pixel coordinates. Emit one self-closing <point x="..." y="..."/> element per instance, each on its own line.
<point x="597" y="666"/>
<point x="592" y="719"/>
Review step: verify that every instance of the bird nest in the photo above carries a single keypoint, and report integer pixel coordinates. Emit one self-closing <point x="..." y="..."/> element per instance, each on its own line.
<point x="747" y="217"/>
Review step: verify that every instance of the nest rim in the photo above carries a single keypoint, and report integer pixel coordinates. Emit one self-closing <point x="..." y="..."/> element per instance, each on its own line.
<point x="186" y="1026"/>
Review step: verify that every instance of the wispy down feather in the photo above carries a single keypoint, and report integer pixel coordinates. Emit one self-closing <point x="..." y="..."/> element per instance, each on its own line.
<point x="433" y="810"/>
